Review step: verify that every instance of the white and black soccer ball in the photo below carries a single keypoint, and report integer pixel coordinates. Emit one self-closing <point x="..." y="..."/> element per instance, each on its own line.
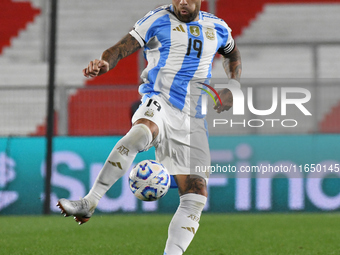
<point x="149" y="180"/>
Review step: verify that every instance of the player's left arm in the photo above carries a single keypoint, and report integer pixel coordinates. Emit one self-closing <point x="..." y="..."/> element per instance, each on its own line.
<point x="232" y="65"/>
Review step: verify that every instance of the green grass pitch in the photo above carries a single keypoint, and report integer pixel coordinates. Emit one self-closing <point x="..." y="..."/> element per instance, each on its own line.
<point x="219" y="234"/>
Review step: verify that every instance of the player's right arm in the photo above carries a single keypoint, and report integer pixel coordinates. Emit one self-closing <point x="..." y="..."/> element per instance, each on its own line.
<point x="110" y="57"/>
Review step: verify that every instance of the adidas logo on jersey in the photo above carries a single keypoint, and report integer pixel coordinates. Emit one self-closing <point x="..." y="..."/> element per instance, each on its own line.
<point x="179" y="28"/>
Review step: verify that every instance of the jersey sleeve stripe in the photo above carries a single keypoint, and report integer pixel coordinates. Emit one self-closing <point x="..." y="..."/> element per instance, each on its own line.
<point x="229" y="48"/>
<point x="137" y="37"/>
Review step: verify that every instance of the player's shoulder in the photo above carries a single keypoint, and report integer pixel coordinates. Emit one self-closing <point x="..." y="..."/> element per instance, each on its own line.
<point x="161" y="9"/>
<point x="157" y="12"/>
<point x="209" y="17"/>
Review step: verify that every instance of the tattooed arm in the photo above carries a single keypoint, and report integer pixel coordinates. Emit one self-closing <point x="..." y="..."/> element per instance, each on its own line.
<point x="233" y="67"/>
<point x="232" y="64"/>
<point x="111" y="56"/>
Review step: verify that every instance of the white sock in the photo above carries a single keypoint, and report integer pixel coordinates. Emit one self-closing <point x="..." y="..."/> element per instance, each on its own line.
<point x="184" y="224"/>
<point x="119" y="160"/>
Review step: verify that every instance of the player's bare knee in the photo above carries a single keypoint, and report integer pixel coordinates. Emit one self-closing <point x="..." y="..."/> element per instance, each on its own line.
<point x="193" y="184"/>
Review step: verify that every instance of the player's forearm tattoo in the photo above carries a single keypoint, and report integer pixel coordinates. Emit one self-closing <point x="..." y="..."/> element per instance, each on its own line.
<point x="232" y="64"/>
<point x="122" y="49"/>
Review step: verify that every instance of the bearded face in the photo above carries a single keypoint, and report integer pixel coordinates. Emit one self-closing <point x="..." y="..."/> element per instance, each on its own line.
<point x="187" y="10"/>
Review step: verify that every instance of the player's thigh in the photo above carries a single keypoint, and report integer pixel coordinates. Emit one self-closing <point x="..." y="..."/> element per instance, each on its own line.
<point x="191" y="184"/>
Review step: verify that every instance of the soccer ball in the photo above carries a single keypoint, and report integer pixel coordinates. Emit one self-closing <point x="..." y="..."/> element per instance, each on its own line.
<point x="149" y="180"/>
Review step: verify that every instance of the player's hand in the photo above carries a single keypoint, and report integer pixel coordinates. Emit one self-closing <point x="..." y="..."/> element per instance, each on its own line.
<point x="95" y="68"/>
<point x="227" y="101"/>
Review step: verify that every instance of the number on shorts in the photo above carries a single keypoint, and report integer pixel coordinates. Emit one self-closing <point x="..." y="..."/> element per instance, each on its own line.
<point x="155" y="103"/>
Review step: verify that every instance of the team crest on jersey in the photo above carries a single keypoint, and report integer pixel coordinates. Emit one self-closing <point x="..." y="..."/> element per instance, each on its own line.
<point x="149" y="113"/>
<point x="210" y="34"/>
<point x="195" y="30"/>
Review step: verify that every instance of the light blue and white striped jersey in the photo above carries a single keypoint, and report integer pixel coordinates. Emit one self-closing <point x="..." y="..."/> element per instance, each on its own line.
<point x="180" y="55"/>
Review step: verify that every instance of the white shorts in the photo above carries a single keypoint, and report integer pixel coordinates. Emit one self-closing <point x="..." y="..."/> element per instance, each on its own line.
<point x="182" y="141"/>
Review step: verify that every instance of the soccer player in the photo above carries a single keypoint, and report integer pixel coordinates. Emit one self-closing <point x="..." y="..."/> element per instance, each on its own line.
<point x="179" y="42"/>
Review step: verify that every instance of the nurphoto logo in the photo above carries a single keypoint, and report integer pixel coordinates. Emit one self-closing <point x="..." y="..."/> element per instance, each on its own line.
<point x="287" y="97"/>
